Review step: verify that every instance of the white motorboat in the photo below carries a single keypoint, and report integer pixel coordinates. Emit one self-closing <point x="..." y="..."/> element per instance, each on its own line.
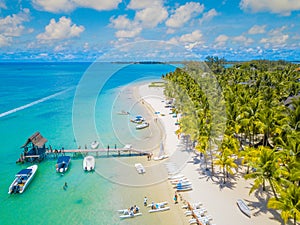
<point x="138" y="119"/>
<point x="158" y="207"/>
<point x="62" y="164"/>
<point x="142" y="125"/>
<point x="88" y="163"/>
<point x="140" y="168"/>
<point x="94" y="144"/>
<point x="243" y="207"/>
<point x="22" y="180"/>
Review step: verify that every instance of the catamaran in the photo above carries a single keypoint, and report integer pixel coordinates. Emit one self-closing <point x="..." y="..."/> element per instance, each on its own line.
<point x="22" y="180"/>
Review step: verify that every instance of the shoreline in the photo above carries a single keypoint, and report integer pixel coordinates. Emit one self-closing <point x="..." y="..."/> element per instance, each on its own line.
<point x="220" y="201"/>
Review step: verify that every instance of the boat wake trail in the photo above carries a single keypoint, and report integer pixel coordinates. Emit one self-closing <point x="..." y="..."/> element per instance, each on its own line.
<point x="33" y="103"/>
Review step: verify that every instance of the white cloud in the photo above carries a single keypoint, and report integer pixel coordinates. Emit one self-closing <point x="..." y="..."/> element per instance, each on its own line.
<point x="147" y="16"/>
<point x="242" y="39"/>
<point x="128" y="33"/>
<point x="221" y="40"/>
<point x="151" y="16"/>
<point x="125" y="28"/>
<point x="5" y="41"/>
<point x="276" y="37"/>
<point x="208" y="15"/>
<point x="283" y="7"/>
<point x="142" y="4"/>
<point x="184" y="13"/>
<point x="12" y="26"/>
<point x="188" y="40"/>
<point x="63" y="29"/>
<point x="69" y="5"/>
<point x="256" y="29"/>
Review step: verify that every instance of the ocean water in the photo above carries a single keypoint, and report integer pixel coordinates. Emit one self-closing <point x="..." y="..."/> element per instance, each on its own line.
<point x="71" y="104"/>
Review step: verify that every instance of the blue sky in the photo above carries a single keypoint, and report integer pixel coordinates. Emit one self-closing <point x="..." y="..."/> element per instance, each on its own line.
<point x="84" y="30"/>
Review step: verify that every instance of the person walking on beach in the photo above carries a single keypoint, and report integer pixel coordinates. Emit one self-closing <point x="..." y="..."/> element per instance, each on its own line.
<point x="145" y="201"/>
<point x="176" y="197"/>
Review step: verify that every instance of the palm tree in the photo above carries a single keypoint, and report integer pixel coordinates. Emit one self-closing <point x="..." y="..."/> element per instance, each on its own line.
<point x="266" y="169"/>
<point x="288" y="203"/>
<point x="225" y="158"/>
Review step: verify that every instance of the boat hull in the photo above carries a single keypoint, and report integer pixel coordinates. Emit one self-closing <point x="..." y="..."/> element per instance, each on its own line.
<point x="62" y="164"/>
<point x="243" y="207"/>
<point x="88" y="163"/>
<point x="22" y="186"/>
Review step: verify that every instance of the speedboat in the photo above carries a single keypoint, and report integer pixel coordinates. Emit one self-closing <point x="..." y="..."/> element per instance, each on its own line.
<point x="22" y="180"/>
<point x="94" y="144"/>
<point x="158" y="207"/>
<point x="243" y="207"/>
<point x="142" y="125"/>
<point x="63" y="163"/>
<point x="140" y="168"/>
<point x="138" y="119"/>
<point x="88" y="163"/>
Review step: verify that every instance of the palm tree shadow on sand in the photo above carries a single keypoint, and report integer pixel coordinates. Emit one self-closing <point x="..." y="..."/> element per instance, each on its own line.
<point x="259" y="206"/>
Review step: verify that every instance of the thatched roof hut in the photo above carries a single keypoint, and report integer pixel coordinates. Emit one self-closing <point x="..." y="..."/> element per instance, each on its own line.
<point x="36" y="139"/>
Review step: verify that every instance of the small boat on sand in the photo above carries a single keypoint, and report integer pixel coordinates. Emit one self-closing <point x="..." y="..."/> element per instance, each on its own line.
<point x="123" y="113"/>
<point x="88" y="163"/>
<point x="159" y="203"/>
<point x="138" y="119"/>
<point x="142" y="125"/>
<point x="94" y="144"/>
<point x="158" y="207"/>
<point x="130" y="213"/>
<point x="22" y="180"/>
<point x="184" y="188"/>
<point x="62" y="164"/>
<point x="140" y="168"/>
<point x="243" y="207"/>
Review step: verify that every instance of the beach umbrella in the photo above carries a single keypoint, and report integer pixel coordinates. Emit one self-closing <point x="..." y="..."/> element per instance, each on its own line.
<point x="139" y="117"/>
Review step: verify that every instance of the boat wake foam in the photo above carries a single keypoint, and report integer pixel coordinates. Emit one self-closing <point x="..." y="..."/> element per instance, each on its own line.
<point x="33" y="103"/>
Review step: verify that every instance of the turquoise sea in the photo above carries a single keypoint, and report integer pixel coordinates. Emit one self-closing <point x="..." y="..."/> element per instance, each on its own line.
<point x="71" y="104"/>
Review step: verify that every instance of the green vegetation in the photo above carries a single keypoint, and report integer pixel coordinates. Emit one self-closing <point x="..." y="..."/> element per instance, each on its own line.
<point x="247" y="113"/>
<point x="157" y="84"/>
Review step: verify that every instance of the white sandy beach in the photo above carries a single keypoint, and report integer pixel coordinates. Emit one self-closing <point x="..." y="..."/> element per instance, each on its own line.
<point x="220" y="202"/>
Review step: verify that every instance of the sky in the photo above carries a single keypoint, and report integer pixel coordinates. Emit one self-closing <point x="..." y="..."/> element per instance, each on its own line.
<point x="121" y="30"/>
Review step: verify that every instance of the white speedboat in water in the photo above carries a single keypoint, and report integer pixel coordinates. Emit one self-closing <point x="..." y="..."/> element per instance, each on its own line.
<point x="88" y="163"/>
<point x="94" y="144"/>
<point x="62" y="164"/>
<point x="22" y="180"/>
<point x="140" y="168"/>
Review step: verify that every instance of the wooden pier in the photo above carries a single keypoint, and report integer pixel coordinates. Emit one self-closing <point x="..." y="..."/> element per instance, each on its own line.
<point x="109" y="152"/>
